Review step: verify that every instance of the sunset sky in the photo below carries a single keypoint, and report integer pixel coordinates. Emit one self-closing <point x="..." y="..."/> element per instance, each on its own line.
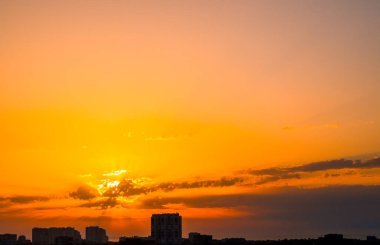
<point x="234" y="113"/>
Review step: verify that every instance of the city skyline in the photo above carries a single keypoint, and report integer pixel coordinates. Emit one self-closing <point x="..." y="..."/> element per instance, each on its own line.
<point x="166" y="229"/>
<point x="254" y="118"/>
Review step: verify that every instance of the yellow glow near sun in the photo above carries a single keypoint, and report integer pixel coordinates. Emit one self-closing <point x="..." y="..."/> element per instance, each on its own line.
<point x="116" y="173"/>
<point x="113" y="184"/>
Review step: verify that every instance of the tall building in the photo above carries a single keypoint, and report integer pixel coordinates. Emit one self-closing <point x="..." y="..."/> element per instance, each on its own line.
<point x="166" y="228"/>
<point x="48" y="236"/>
<point x="95" y="234"/>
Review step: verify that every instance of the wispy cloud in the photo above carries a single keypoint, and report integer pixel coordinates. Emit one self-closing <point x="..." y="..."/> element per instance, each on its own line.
<point x="102" y="203"/>
<point x="20" y="199"/>
<point x="85" y="192"/>
<point x="311" y="211"/>
<point x="128" y="187"/>
<point x="277" y="177"/>
<point x="222" y="182"/>
<point x="251" y="178"/>
<point x="278" y="197"/>
<point x="274" y="174"/>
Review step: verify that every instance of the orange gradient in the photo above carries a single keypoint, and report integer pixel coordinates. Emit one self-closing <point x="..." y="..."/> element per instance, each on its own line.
<point x="156" y="106"/>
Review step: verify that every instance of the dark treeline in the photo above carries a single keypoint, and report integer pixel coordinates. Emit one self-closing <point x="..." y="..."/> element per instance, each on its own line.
<point x="330" y="239"/>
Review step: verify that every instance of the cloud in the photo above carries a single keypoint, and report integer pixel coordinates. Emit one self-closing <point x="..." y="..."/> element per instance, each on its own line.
<point x="373" y="163"/>
<point x="128" y="187"/>
<point x="222" y="182"/>
<point x="103" y="203"/>
<point x="85" y="193"/>
<point x="322" y="166"/>
<point x="311" y="211"/>
<point x="11" y="202"/>
<point x="277" y="177"/>
<point x="347" y="173"/>
<point x="275" y="174"/>
<point x="20" y="199"/>
<point x="280" y="199"/>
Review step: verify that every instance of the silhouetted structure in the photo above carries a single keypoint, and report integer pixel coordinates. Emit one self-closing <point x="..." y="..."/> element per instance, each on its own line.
<point x="372" y="239"/>
<point x="234" y="241"/>
<point x="333" y="237"/>
<point x="166" y="228"/>
<point x="197" y="238"/>
<point x="8" y="239"/>
<point x="96" y="235"/>
<point x="23" y="241"/>
<point x="136" y="241"/>
<point x="48" y="236"/>
<point x="329" y="239"/>
<point x="64" y="240"/>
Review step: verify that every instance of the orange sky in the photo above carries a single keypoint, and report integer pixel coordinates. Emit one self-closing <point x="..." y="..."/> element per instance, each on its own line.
<point x="138" y="96"/>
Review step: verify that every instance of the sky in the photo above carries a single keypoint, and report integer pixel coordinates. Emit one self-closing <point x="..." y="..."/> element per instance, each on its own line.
<point x="256" y="119"/>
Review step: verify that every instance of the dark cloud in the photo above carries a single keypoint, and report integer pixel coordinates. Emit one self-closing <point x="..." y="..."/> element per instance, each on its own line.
<point x="347" y="173"/>
<point x="23" y="199"/>
<point x="292" y="211"/>
<point x="85" y="193"/>
<point x="10" y="202"/>
<point x="128" y="188"/>
<point x="275" y="174"/>
<point x="373" y="163"/>
<point x="326" y="165"/>
<point x="28" y="199"/>
<point x="280" y="176"/>
<point x="103" y="203"/>
<point x="222" y="182"/>
<point x="279" y="198"/>
<point x="322" y="166"/>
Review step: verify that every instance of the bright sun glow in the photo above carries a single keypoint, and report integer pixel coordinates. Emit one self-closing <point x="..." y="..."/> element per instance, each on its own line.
<point x="115" y="173"/>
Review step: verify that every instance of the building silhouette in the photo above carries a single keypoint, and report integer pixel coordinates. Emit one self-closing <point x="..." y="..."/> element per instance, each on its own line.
<point x="135" y="240"/>
<point x="8" y="239"/>
<point x="197" y="238"/>
<point x="23" y="241"/>
<point x="333" y="237"/>
<point x="54" y="235"/>
<point x="96" y="235"/>
<point x="166" y="228"/>
<point x="64" y="240"/>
